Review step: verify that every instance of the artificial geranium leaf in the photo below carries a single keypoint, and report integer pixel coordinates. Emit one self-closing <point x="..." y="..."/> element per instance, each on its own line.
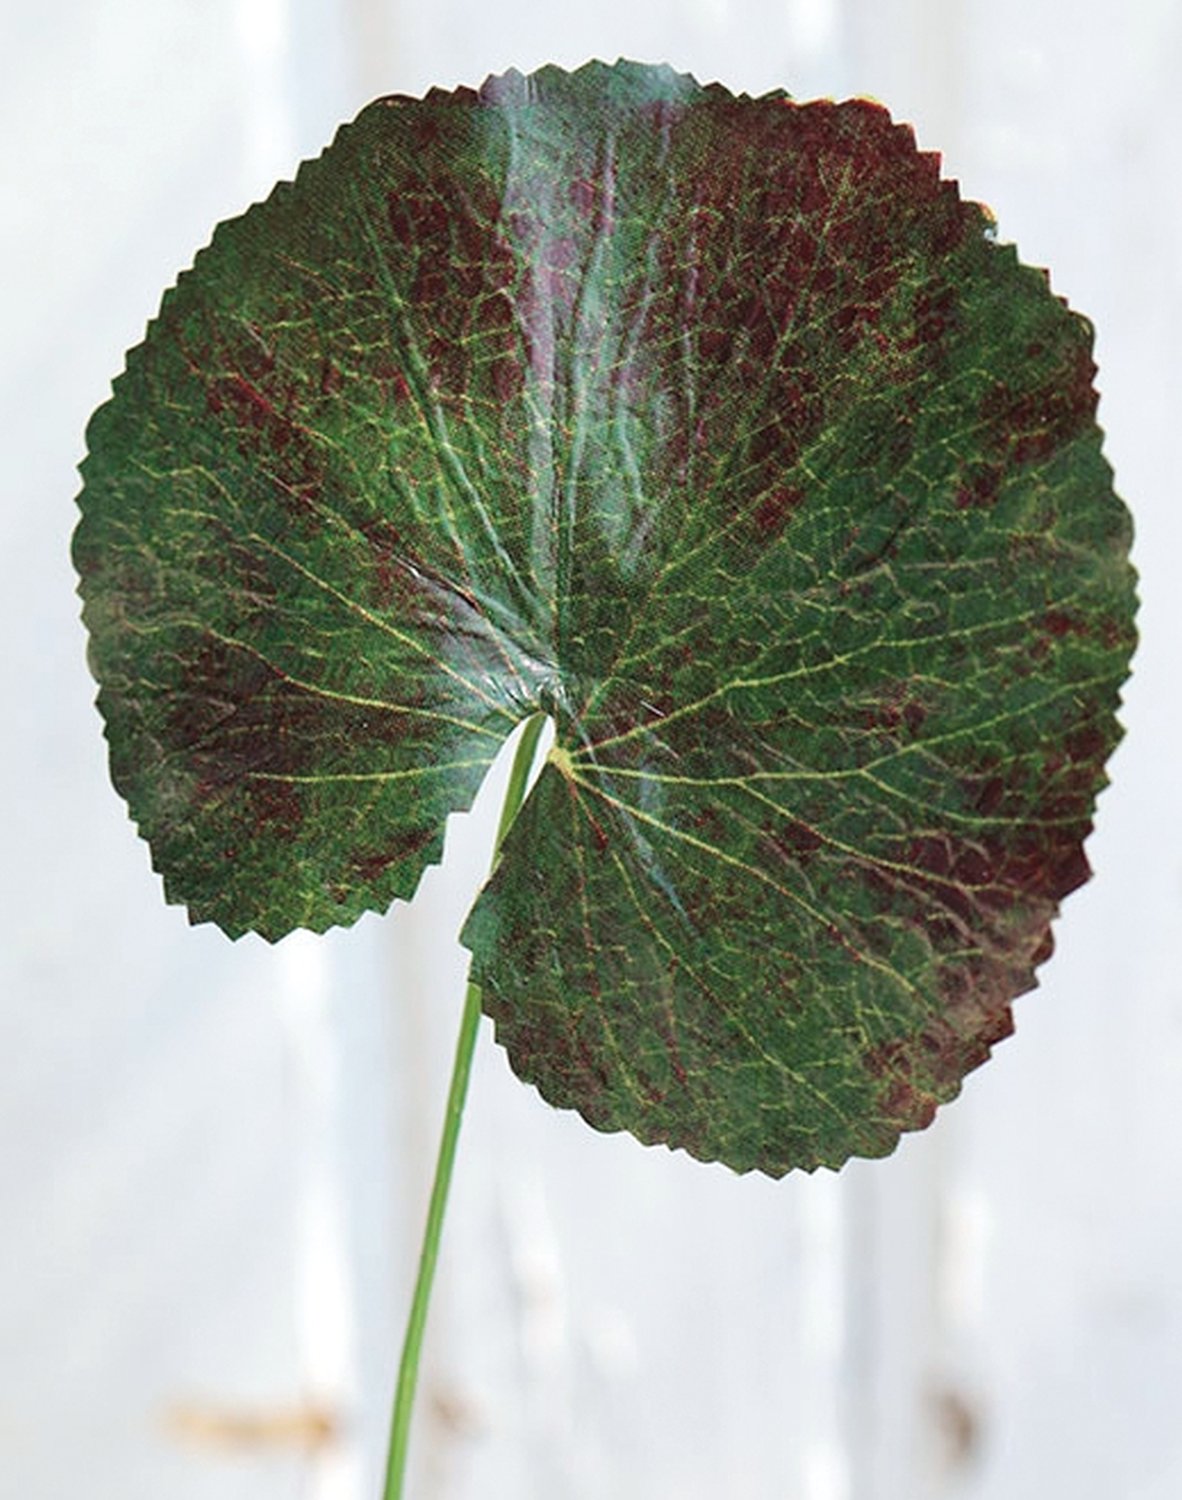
<point x="721" y="430"/>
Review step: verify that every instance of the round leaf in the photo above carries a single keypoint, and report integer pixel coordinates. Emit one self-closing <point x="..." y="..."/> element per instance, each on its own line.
<point x="721" y="430"/>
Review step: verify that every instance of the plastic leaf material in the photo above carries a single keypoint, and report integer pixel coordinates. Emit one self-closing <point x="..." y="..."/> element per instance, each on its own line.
<point x="721" y="430"/>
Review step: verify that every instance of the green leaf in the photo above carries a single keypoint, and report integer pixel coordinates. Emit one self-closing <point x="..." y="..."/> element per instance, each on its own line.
<point x="724" y="432"/>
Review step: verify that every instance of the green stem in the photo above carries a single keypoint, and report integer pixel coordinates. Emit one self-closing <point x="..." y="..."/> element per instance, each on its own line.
<point x="408" y="1369"/>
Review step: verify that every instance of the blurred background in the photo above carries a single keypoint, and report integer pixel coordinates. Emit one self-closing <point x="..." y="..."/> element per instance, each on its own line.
<point x="214" y="1157"/>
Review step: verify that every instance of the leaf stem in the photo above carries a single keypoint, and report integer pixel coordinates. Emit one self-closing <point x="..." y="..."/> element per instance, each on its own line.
<point x="408" y="1369"/>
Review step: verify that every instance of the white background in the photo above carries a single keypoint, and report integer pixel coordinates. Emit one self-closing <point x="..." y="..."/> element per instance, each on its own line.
<point x="213" y="1157"/>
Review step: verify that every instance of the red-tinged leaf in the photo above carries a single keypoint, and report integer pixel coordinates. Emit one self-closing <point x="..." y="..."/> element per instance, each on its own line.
<point x="720" y="429"/>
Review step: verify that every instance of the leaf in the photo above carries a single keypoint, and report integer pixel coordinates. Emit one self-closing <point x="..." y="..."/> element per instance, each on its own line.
<point x="721" y="430"/>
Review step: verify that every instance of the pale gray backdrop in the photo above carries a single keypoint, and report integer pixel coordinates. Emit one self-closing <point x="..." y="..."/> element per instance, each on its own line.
<point x="213" y="1157"/>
